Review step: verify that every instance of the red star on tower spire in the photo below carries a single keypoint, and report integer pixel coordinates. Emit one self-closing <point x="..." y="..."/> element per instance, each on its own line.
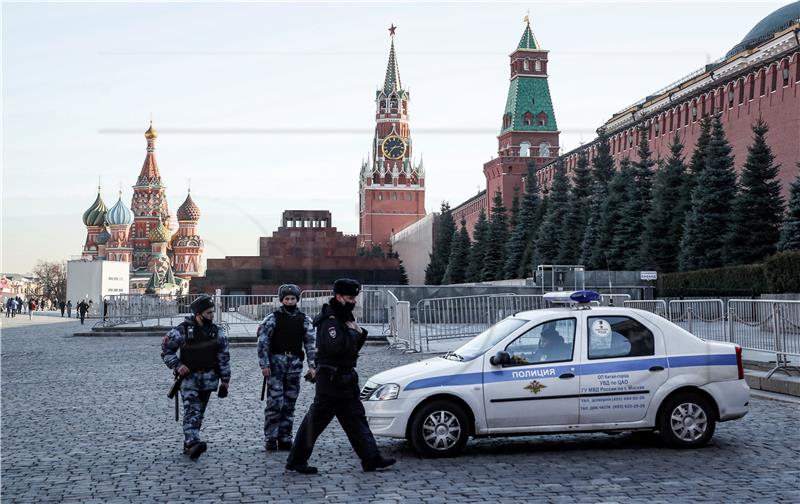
<point x="391" y="30"/>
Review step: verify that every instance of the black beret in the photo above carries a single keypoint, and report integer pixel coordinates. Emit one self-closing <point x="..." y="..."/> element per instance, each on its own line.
<point x="202" y="304"/>
<point x="288" y="290"/>
<point x="346" y="287"/>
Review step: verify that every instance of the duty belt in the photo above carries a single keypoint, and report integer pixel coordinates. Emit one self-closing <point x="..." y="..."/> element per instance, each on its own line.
<point x="335" y="369"/>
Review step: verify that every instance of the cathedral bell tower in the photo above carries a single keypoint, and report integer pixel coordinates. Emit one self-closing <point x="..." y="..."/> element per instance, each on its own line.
<point x="391" y="185"/>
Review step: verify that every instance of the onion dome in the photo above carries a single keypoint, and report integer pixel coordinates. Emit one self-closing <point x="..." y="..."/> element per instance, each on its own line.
<point x="188" y="211"/>
<point x="119" y="214"/>
<point x="151" y="133"/>
<point x="159" y="233"/>
<point x="778" y="20"/>
<point x="95" y="215"/>
<point x="103" y="237"/>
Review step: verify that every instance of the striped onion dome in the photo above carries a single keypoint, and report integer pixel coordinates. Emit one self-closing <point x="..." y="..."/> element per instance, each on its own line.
<point x="159" y="233"/>
<point x="188" y="211"/>
<point x="95" y="215"/>
<point x="119" y="214"/>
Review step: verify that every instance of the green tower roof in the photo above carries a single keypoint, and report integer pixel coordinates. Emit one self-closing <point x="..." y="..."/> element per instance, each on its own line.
<point x="528" y="40"/>
<point x="529" y="95"/>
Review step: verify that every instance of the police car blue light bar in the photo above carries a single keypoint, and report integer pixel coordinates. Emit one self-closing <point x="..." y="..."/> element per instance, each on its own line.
<point x="569" y="297"/>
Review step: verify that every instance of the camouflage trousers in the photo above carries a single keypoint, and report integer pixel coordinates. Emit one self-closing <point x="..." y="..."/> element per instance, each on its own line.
<point x="194" y="407"/>
<point x="284" y="387"/>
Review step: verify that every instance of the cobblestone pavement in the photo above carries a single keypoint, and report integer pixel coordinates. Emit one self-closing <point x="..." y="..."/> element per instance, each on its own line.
<point x="87" y="420"/>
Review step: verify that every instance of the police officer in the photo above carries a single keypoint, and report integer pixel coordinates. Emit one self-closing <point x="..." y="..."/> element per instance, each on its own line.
<point x="339" y="340"/>
<point x="197" y="350"/>
<point x="281" y="338"/>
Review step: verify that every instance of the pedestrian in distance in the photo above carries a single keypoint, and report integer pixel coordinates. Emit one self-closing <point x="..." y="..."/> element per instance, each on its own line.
<point x="339" y="339"/>
<point x="197" y="351"/>
<point x="62" y="306"/>
<point x="282" y="335"/>
<point x="31" y="308"/>
<point x="83" y="307"/>
<point x="69" y="308"/>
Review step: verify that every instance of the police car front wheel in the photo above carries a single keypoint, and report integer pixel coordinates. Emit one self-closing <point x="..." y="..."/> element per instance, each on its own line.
<point x="439" y="429"/>
<point x="687" y="421"/>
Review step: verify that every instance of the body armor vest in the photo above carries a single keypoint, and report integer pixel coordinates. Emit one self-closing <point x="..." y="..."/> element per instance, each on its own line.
<point x="200" y="350"/>
<point x="288" y="334"/>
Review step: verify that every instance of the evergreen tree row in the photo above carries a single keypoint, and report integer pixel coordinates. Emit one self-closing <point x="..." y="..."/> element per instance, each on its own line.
<point x="661" y="214"/>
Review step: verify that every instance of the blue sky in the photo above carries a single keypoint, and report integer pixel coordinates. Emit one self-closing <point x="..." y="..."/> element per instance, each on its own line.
<point x="269" y="106"/>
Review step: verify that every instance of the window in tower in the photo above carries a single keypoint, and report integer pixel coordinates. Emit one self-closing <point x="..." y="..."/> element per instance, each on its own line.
<point x="525" y="64"/>
<point x="524" y="149"/>
<point x="393" y="103"/>
<point x="394" y="196"/>
<point x="383" y="106"/>
<point x="537" y="66"/>
<point x="541" y="119"/>
<point x="544" y="149"/>
<point x="380" y="197"/>
<point x="527" y="119"/>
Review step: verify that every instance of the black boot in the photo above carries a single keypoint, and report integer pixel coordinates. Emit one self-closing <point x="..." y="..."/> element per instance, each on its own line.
<point x="303" y="468"/>
<point x="285" y="444"/>
<point x="271" y="445"/>
<point x="194" y="450"/>
<point x="378" y="462"/>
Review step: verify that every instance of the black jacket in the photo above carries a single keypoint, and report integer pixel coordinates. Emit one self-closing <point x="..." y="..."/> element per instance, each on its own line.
<point x="337" y="351"/>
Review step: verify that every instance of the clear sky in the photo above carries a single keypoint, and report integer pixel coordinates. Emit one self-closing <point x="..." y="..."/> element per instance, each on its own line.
<point x="270" y="106"/>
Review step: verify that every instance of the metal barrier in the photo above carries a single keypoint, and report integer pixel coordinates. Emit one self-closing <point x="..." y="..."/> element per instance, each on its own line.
<point x="767" y="326"/>
<point x="657" y="306"/>
<point x="614" y="299"/>
<point x="119" y="309"/>
<point x="458" y="317"/>
<point x="705" y="318"/>
<point x="399" y="312"/>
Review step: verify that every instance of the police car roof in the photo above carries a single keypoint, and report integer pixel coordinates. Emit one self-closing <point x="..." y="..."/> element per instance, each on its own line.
<point x="561" y="310"/>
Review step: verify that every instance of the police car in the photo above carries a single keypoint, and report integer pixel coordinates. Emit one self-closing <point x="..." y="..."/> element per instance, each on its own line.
<point x="574" y="368"/>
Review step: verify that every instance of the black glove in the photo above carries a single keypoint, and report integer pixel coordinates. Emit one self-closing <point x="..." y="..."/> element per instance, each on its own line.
<point x="222" y="392"/>
<point x="307" y="377"/>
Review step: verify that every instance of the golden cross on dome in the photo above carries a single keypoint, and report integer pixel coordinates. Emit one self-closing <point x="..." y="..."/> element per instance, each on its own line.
<point x="391" y="30"/>
<point x="528" y="16"/>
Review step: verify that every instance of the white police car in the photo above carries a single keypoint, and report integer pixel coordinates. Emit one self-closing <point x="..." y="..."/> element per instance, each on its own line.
<point x="561" y="370"/>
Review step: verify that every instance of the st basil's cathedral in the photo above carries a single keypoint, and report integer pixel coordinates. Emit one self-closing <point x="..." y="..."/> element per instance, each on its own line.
<point x="164" y="255"/>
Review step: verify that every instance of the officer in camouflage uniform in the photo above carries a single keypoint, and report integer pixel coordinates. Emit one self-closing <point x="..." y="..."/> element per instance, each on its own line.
<point x="197" y="350"/>
<point x="339" y="339"/>
<point x="281" y="338"/>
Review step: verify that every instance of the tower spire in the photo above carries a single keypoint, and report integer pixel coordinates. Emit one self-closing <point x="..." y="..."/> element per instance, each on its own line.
<point x="528" y="40"/>
<point x="149" y="175"/>
<point x="392" y="81"/>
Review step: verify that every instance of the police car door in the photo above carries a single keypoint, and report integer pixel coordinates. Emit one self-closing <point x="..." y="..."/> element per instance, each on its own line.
<point x="540" y="385"/>
<point x="624" y="364"/>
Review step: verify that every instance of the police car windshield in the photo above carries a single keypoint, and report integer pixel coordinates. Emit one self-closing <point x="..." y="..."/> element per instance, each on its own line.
<point x="487" y="339"/>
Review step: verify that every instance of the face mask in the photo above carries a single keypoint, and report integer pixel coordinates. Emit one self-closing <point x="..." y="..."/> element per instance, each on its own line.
<point x="290" y="309"/>
<point x="349" y="306"/>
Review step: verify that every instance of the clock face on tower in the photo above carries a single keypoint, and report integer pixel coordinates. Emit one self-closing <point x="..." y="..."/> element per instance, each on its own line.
<point x="393" y="147"/>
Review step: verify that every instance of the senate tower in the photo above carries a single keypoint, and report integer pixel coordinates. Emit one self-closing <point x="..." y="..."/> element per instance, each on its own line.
<point x="391" y="184"/>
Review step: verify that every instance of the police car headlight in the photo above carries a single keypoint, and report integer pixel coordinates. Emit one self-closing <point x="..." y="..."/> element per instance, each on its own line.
<point x="385" y="392"/>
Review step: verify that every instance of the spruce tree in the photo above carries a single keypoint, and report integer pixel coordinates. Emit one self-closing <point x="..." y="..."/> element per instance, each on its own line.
<point x="480" y="237"/>
<point x="551" y="233"/>
<point x="697" y="163"/>
<point x="664" y="224"/>
<point x="758" y="207"/>
<point x="441" y="247"/>
<point x="603" y="162"/>
<point x="513" y="215"/>
<point x="708" y="223"/>
<point x="790" y="232"/>
<point x="631" y="229"/>
<point x="526" y="226"/>
<point x="610" y="249"/>
<point x="403" y="274"/>
<point x="529" y="259"/>
<point x="591" y="234"/>
<point x="459" y="256"/>
<point x="578" y="214"/>
<point x="495" y="259"/>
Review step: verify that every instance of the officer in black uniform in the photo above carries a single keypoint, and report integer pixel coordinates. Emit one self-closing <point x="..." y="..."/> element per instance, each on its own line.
<point x="197" y="351"/>
<point x="339" y="340"/>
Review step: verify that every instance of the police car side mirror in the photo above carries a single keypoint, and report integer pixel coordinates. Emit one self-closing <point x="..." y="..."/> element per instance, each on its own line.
<point x="500" y="359"/>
